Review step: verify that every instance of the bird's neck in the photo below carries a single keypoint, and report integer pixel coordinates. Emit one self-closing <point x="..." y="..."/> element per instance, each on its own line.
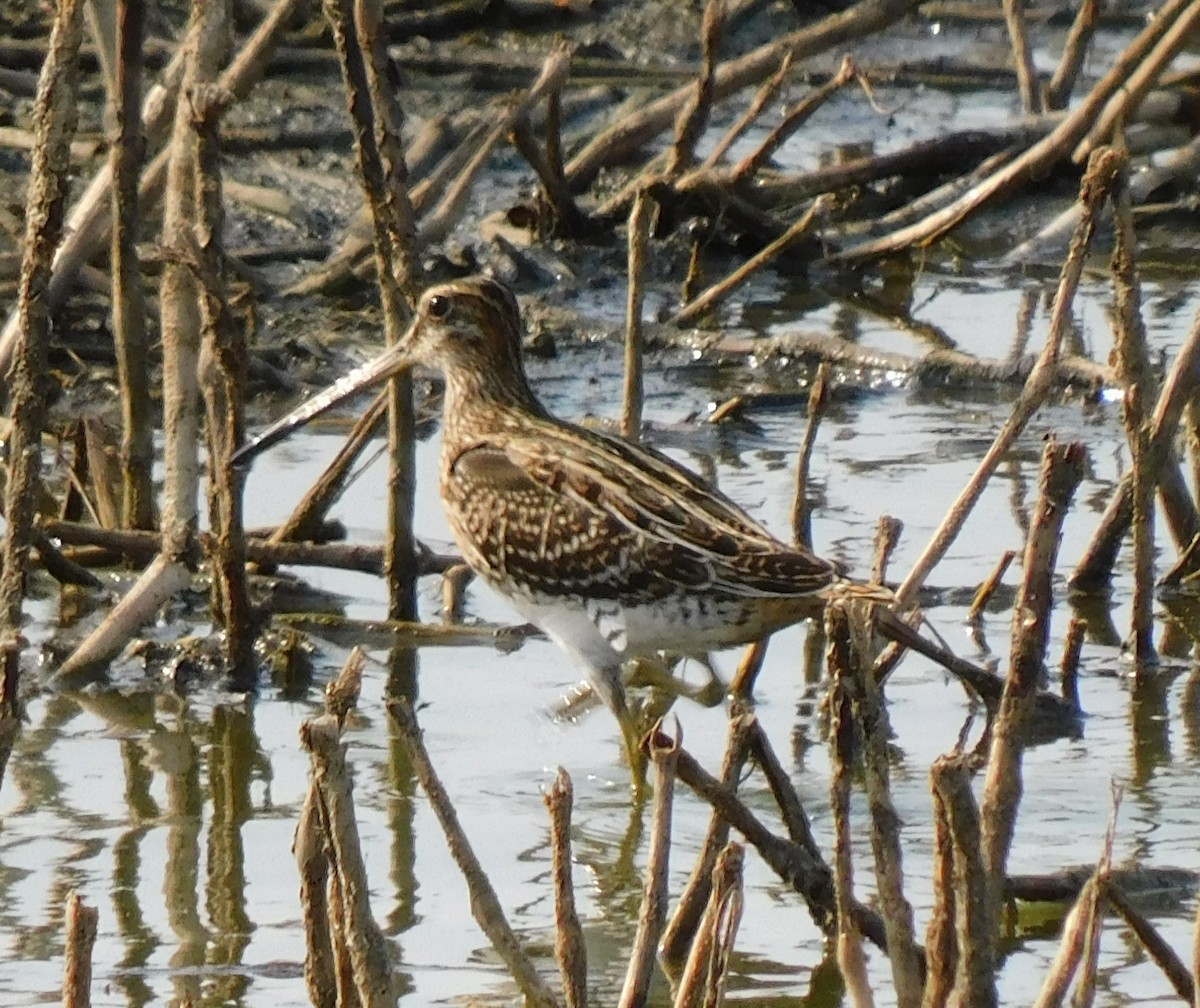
<point x="477" y="404"/>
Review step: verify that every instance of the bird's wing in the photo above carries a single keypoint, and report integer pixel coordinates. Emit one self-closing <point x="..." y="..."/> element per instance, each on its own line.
<point x="664" y="516"/>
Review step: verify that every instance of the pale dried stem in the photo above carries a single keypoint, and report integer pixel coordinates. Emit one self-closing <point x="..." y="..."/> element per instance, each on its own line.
<point x="569" y="947"/>
<point x="54" y="118"/>
<point x="887" y="538"/>
<point x="985" y="591"/>
<point x="128" y="299"/>
<point x="681" y="929"/>
<point x="975" y="944"/>
<point x="1171" y="27"/>
<point x="693" y="118"/>
<point x="664" y="754"/>
<point x="1133" y="365"/>
<point x="941" y="946"/>
<point x="1070" y="948"/>
<point x="1033" y="163"/>
<point x="1093" y="190"/>
<point x="373" y="981"/>
<point x="722" y="289"/>
<point x="818" y="399"/>
<point x="1027" y="79"/>
<point x="81" y="922"/>
<point x="1069" y="668"/>
<point x="703" y="982"/>
<point x="639" y="240"/>
<point x="485" y="907"/>
<point x="768" y="90"/>
<point x="1058" y="91"/>
<point x="342" y="693"/>
<point x="312" y="860"/>
<point x="1160" y="950"/>
<point x="1061" y="472"/>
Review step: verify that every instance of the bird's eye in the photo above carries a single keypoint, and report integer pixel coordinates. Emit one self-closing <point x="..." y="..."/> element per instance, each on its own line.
<point x="438" y="306"/>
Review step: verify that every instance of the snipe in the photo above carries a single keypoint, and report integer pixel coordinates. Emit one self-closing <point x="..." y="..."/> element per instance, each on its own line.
<point x="611" y="548"/>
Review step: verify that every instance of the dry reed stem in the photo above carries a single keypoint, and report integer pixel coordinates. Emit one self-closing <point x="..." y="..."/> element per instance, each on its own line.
<point x="384" y="175"/>
<point x="569" y="947"/>
<point x="723" y="288"/>
<point x="1027" y="78"/>
<point x="1133" y="365"/>
<point x="1033" y="163"/>
<point x="568" y="218"/>
<point x="1061" y="472"/>
<point x="681" y="929"/>
<point x="54" y="123"/>
<point x="741" y="687"/>
<point x="663" y="751"/>
<point x="1068" y="672"/>
<point x="974" y="940"/>
<point x="941" y="947"/>
<point x="223" y="364"/>
<point x="89" y="219"/>
<point x="1170" y="28"/>
<point x="128" y="300"/>
<point x="1058" y="91"/>
<point x="81" y="924"/>
<point x="1093" y="190"/>
<point x="485" y="907"/>
<point x="1153" y="942"/>
<point x="766" y="92"/>
<point x="818" y="400"/>
<point x="842" y="661"/>
<point x="54" y="117"/>
<point x="639" y="239"/>
<point x="321" y="738"/>
<point x="693" y="117"/>
<point x="703" y="982"/>
<point x="342" y="693"/>
<point x="629" y="133"/>
<point x="791" y="809"/>
<point x="986" y="590"/>
<point x="887" y="538"/>
<point x="311" y="852"/>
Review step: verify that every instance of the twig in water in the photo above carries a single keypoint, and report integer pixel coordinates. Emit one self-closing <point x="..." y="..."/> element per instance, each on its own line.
<point x="569" y="947"/>
<point x="81" y="922"/>
<point x="818" y="399"/>
<point x="1069" y="669"/>
<point x="639" y="238"/>
<point x="485" y="907"/>
<point x="1027" y="79"/>
<point x="984" y="593"/>
<point x="704" y="977"/>
<point x="693" y="118"/>
<point x="1058" y="91"/>
<point x="887" y="537"/>
<point x="664" y="753"/>
<point x="769" y="88"/>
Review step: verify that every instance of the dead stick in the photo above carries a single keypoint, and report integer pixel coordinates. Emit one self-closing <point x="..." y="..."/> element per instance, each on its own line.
<point x="818" y="399"/>
<point x="703" y="982"/>
<point x="1074" y="51"/>
<point x="569" y="946"/>
<point x="663" y="752"/>
<point x="82" y="921"/>
<point x="693" y="118"/>
<point x="485" y="907"/>
<point x="985" y="591"/>
<point x="768" y="90"/>
<point x="1027" y="80"/>
<point x="639" y="239"/>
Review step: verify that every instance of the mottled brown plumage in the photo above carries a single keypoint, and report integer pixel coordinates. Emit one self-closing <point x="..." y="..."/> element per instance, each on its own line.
<point x="611" y="548"/>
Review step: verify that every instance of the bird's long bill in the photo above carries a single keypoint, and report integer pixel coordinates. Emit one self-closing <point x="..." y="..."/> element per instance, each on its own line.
<point x="392" y="360"/>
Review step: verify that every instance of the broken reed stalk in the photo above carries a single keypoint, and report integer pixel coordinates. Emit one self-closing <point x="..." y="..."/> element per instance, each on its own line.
<point x="767" y="91"/>
<point x="569" y="947"/>
<point x="941" y="945"/>
<point x="128" y="299"/>
<point x="723" y="288"/>
<point x="818" y="399"/>
<point x="1058" y="91"/>
<point x="81" y="921"/>
<point x="680" y="932"/>
<point x="485" y="907"/>
<point x="223" y="365"/>
<point x="1133" y="365"/>
<point x="367" y="948"/>
<point x="986" y="590"/>
<point x="694" y="116"/>
<point x="974" y="957"/>
<point x="1068" y="672"/>
<point x="1153" y="942"/>
<point x="704" y="977"/>
<point x="179" y="298"/>
<point x="887" y="538"/>
<point x="842" y="662"/>
<point x="663" y="751"/>
<point x="1094" y="569"/>
<point x="54" y="118"/>
<point x="377" y="122"/>
<point x="1093" y="189"/>
<point x="639" y="239"/>
<point x="1061" y="473"/>
<point x="1027" y="78"/>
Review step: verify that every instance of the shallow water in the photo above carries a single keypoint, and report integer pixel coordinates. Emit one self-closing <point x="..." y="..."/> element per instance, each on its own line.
<point x="173" y="812"/>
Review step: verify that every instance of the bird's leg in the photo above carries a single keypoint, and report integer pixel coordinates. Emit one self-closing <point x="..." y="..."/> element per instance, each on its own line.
<point x="609" y="685"/>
